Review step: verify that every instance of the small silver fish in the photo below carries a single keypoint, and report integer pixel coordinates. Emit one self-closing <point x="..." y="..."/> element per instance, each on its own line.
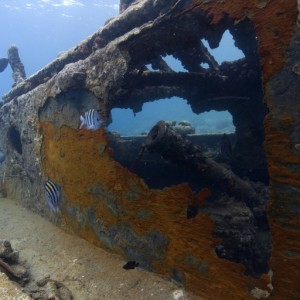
<point x="92" y="120"/>
<point x="29" y="170"/>
<point x="53" y="195"/>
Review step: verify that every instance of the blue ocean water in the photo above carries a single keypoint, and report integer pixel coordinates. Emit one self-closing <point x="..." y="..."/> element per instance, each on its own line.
<point x="177" y="109"/>
<point x="42" y="29"/>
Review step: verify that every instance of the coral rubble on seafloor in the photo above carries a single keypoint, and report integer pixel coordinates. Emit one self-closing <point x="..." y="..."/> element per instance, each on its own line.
<point x="19" y="275"/>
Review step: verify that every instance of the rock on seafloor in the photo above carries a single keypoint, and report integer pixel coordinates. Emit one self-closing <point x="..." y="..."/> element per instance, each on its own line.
<point x="9" y="290"/>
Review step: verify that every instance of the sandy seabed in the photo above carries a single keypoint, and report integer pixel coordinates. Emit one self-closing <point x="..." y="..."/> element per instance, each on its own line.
<point x="89" y="272"/>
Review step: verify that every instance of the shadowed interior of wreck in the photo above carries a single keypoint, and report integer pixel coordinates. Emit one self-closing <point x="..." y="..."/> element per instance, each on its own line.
<point x="230" y="86"/>
<point x="14" y="139"/>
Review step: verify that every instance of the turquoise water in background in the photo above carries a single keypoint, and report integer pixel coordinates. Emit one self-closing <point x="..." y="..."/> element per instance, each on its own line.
<point x="42" y="29"/>
<point x="173" y="109"/>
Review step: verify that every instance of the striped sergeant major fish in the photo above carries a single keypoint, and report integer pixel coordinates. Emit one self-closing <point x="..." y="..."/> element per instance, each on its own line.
<point x="53" y="195"/>
<point x="92" y="120"/>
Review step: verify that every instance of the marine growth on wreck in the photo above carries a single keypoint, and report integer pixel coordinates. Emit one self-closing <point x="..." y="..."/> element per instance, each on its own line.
<point x="218" y="213"/>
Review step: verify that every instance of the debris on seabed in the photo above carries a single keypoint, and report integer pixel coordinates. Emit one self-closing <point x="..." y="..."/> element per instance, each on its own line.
<point x="178" y="295"/>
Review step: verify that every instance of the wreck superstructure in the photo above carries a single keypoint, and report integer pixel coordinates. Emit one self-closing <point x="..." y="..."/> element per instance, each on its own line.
<point x="241" y="241"/>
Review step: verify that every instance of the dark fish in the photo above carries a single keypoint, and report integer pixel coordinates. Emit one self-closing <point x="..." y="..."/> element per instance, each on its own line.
<point x="131" y="265"/>
<point x="3" y="64"/>
<point x="2" y="157"/>
<point x="226" y="147"/>
<point x="92" y="120"/>
<point x="53" y="195"/>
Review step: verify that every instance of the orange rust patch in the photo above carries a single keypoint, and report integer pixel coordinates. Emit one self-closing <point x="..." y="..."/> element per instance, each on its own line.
<point x="199" y="198"/>
<point x="285" y="262"/>
<point x="280" y="153"/>
<point x="78" y="159"/>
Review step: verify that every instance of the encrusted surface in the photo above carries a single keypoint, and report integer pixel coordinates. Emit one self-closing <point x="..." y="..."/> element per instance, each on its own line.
<point x="273" y="21"/>
<point x="111" y="207"/>
<point x="114" y="209"/>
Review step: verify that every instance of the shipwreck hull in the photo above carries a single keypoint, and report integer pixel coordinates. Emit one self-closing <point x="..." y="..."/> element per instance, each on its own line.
<point x="109" y="205"/>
